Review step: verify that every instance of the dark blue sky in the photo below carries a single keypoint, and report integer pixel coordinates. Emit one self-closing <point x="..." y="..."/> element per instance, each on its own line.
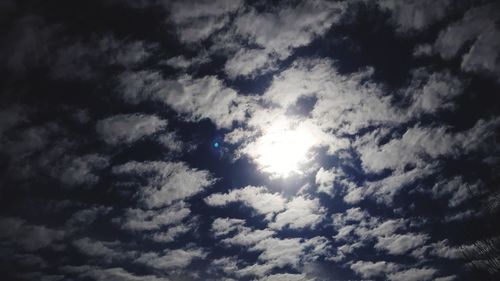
<point x="249" y="140"/>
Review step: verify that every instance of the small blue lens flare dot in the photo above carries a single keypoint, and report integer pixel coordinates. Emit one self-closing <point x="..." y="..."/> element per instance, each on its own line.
<point x="216" y="144"/>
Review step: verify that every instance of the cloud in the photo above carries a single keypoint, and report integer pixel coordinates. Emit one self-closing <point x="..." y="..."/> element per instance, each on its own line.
<point x="456" y="189"/>
<point x="415" y="15"/>
<point x="277" y="33"/>
<point x="228" y="265"/>
<point x="413" y="274"/>
<point x="325" y="179"/>
<point x="165" y="182"/>
<point x="28" y="44"/>
<point x="198" y="20"/>
<point x="171" y="259"/>
<point x="290" y="251"/>
<point x="286" y="277"/>
<point x="27" y="236"/>
<point x="54" y="152"/>
<point x="300" y="212"/>
<point x="26" y="141"/>
<point x="345" y="103"/>
<point x="86" y="216"/>
<point x="241" y="235"/>
<point x="172" y="143"/>
<point x="172" y="233"/>
<point x="442" y="249"/>
<point x="36" y="43"/>
<point x="357" y="225"/>
<point x="431" y="92"/>
<point x="419" y="142"/>
<point x="194" y="99"/>
<point x="181" y="62"/>
<point x="478" y="26"/>
<point x="128" y="128"/>
<point x="384" y="190"/>
<point x="81" y="170"/>
<point x="10" y="117"/>
<point x="248" y="237"/>
<point x="269" y="147"/>
<point x="446" y="278"/>
<point x="87" y="60"/>
<point x="258" y="198"/>
<point x="399" y="244"/>
<point x="368" y="269"/>
<point x="138" y="219"/>
<point x="274" y="252"/>
<point x="105" y="250"/>
<point x="107" y="274"/>
<point x="247" y="62"/>
<point x="223" y="226"/>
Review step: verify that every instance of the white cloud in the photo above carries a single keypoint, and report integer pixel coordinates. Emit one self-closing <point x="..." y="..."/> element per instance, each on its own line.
<point x="248" y="237"/>
<point x="413" y="274"/>
<point x="227" y="265"/>
<point x="181" y="62"/>
<point x="384" y="190"/>
<point x="172" y="233"/>
<point x="241" y="235"/>
<point x="128" y="128"/>
<point x="415" y="15"/>
<point x="345" y="103"/>
<point x="258" y="198"/>
<point x="286" y="277"/>
<point x="399" y="244"/>
<point x="289" y="251"/>
<point x="171" y="259"/>
<point x="278" y="32"/>
<point x="442" y="249"/>
<point x="478" y="26"/>
<point x="284" y="145"/>
<point x="248" y="62"/>
<point x="257" y="269"/>
<point x="456" y="189"/>
<point x="300" y="212"/>
<point x="165" y="182"/>
<point x="324" y="179"/>
<point x="420" y="142"/>
<point x="446" y="278"/>
<point x="138" y="219"/>
<point x="431" y="92"/>
<point x="223" y="226"/>
<point x="194" y="99"/>
<point x="368" y="269"/>
<point x="274" y="252"/>
<point x="172" y="143"/>
<point x="357" y="226"/>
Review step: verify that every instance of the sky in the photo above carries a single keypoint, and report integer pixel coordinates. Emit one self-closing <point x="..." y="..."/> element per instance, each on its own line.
<point x="230" y="140"/>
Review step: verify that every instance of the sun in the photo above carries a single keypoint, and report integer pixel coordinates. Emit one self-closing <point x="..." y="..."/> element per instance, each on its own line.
<point x="283" y="148"/>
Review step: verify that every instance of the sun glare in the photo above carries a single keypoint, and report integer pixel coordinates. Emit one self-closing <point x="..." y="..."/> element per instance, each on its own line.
<point x="282" y="149"/>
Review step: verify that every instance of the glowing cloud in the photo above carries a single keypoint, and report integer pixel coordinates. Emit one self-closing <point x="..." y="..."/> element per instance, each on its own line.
<point x="283" y="148"/>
